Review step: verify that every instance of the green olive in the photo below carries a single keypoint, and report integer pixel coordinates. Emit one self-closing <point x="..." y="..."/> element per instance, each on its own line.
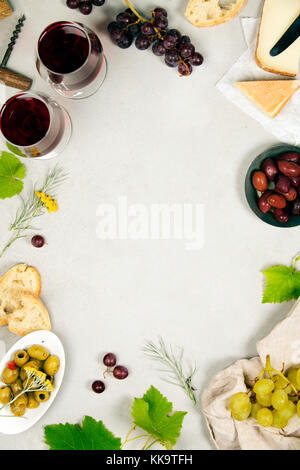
<point x="21" y="357"/>
<point x="41" y="395"/>
<point x="9" y="376"/>
<point x="22" y="400"/>
<point x="32" y="402"/>
<point x="38" y="352"/>
<point x="50" y="378"/>
<point x="5" y="395"/>
<point x="17" y="410"/>
<point x="17" y="387"/>
<point x="51" y="365"/>
<point x="34" y="363"/>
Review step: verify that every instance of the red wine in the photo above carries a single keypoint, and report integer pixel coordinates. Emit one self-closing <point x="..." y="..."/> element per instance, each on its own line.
<point x="63" y="48"/>
<point x="24" y="120"/>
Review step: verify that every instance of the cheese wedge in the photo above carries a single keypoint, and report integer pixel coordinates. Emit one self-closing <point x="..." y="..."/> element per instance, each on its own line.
<point x="269" y="96"/>
<point x="277" y="16"/>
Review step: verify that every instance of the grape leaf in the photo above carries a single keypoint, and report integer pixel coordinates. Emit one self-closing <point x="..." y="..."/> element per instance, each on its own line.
<point x="91" y="435"/>
<point x="12" y="171"/>
<point x="282" y="284"/>
<point x="151" y="413"/>
<point x="15" y="150"/>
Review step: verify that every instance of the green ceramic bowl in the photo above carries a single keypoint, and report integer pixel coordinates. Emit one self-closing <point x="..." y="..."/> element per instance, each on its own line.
<point x="251" y="193"/>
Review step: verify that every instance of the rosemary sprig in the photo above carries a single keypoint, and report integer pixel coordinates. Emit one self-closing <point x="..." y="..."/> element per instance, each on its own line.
<point x="34" y="207"/>
<point x="174" y="366"/>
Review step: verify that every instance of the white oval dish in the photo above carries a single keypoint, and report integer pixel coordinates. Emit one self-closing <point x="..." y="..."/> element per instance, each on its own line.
<point x="15" y="425"/>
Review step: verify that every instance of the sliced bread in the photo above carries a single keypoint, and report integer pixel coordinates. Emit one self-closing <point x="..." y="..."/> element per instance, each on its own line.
<point x="269" y="96"/>
<point x="31" y="315"/>
<point x="277" y="16"/>
<point x="204" y="13"/>
<point x="19" y="279"/>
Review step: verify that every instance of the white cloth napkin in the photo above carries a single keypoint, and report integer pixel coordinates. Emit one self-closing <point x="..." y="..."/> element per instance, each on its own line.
<point x="283" y="345"/>
<point x="285" y="126"/>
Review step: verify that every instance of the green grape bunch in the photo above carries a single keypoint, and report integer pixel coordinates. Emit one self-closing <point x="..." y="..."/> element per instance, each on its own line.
<point x="272" y="401"/>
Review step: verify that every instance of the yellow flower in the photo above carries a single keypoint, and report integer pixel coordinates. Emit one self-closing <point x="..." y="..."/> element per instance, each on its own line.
<point x="50" y="204"/>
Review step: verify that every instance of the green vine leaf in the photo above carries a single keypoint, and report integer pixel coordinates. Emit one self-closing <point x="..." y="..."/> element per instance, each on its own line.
<point x="12" y="171"/>
<point x="91" y="435"/>
<point x="152" y="413"/>
<point x="282" y="284"/>
<point x="15" y="150"/>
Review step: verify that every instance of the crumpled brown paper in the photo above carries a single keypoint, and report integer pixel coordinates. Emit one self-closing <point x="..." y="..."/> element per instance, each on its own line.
<point x="283" y="345"/>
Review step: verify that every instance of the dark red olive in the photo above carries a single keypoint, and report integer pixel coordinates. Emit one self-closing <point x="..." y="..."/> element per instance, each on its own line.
<point x="296" y="208"/>
<point x="276" y="200"/>
<point x="283" y="184"/>
<point x="281" y="215"/>
<point x="295" y="180"/>
<point x="263" y="203"/>
<point x="289" y="157"/>
<point x="289" y="168"/>
<point x="270" y="168"/>
<point x="259" y="181"/>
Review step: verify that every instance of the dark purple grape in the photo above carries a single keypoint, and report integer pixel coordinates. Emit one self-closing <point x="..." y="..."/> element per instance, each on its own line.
<point x="160" y="12"/>
<point x="296" y="208"/>
<point x="185" y="68"/>
<point x="112" y="26"/>
<point x="134" y="29"/>
<point x="98" y="3"/>
<point x="73" y="4"/>
<point x="120" y="372"/>
<point x="98" y="386"/>
<point x="117" y="34"/>
<point x="169" y="41"/>
<point x="85" y="7"/>
<point x="186" y="50"/>
<point x="38" y="241"/>
<point x="125" y="41"/>
<point x="196" y="59"/>
<point x="142" y="43"/>
<point x="171" y="58"/>
<point x="109" y="360"/>
<point x="124" y="19"/>
<point x="158" y="48"/>
<point x="175" y="33"/>
<point x="147" y="28"/>
<point x="283" y="184"/>
<point x="185" y="39"/>
<point x="161" y="23"/>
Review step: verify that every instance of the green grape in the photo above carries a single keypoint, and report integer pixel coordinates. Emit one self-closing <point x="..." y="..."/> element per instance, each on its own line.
<point x="279" y="399"/>
<point x="254" y="409"/>
<point x="264" y="400"/>
<point x="264" y="386"/>
<point x="288" y="411"/>
<point x="292" y="376"/>
<point x="298" y="408"/>
<point x="278" y="420"/>
<point x="239" y="403"/>
<point x="281" y="384"/>
<point x="264" y="417"/>
<point x="242" y="415"/>
<point x="298" y="377"/>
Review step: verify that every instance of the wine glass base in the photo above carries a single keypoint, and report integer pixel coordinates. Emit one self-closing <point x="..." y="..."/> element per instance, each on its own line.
<point x="86" y="91"/>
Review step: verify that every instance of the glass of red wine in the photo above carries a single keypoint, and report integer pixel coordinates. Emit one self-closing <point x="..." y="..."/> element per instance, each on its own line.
<point x="35" y="126"/>
<point x="70" y="57"/>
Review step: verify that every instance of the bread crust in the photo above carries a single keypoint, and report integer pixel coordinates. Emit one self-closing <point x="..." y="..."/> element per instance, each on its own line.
<point x="22" y="269"/>
<point x="215" y="22"/>
<point x="16" y="324"/>
<point x="259" y="63"/>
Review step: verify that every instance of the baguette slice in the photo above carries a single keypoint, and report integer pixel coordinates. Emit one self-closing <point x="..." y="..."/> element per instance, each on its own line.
<point x="19" y="279"/>
<point x="277" y="16"/>
<point x="30" y="316"/>
<point x="203" y="13"/>
<point x="269" y="96"/>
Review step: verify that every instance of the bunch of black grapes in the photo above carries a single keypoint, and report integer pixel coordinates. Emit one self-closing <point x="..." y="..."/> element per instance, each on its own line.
<point x="85" y="7"/>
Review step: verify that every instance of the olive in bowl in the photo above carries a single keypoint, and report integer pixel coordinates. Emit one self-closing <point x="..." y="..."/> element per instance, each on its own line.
<point x="272" y="186"/>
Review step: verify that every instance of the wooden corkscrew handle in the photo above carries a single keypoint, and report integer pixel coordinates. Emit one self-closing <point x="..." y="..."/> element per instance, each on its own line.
<point x="15" y="80"/>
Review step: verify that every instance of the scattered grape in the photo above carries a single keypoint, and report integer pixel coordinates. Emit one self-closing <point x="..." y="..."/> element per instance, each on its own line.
<point x="73" y="4"/>
<point x="98" y="3"/>
<point x="264" y="417"/>
<point x="85" y="7"/>
<point x="109" y="360"/>
<point x="38" y="241"/>
<point x="98" y="386"/>
<point x="120" y="372"/>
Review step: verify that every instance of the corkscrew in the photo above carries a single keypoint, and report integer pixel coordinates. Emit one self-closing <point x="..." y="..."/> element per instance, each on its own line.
<point x="8" y="77"/>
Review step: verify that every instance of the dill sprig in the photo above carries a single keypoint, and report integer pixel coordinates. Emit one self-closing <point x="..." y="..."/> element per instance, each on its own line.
<point x="173" y="362"/>
<point x="33" y="206"/>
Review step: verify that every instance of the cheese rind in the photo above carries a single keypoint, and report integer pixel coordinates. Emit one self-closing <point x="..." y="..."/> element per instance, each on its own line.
<point x="277" y="16"/>
<point x="270" y="96"/>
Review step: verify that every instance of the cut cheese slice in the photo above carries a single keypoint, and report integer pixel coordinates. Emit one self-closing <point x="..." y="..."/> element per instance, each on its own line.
<point x="277" y="16"/>
<point x="269" y="96"/>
